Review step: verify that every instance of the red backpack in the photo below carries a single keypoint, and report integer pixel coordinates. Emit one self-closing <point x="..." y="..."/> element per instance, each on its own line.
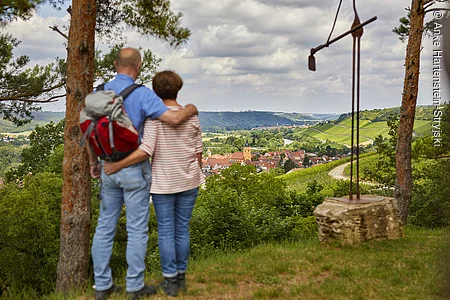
<point x="106" y="125"/>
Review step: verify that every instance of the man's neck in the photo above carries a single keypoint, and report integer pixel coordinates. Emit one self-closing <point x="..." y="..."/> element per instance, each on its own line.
<point x="132" y="74"/>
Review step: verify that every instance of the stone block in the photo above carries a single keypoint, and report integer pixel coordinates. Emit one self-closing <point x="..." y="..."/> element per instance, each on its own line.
<point x="355" y="221"/>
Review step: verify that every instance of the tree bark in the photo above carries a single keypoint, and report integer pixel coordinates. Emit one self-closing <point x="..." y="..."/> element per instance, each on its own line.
<point x="76" y="195"/>
<point x="403" y="181"/>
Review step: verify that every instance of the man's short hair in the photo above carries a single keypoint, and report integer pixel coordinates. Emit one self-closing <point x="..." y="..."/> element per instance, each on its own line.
<point x="166" y="84"/>
<point x="128" y="57"/>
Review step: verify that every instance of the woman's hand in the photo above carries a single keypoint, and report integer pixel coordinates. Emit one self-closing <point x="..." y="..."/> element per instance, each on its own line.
<point x="111" y="167"/>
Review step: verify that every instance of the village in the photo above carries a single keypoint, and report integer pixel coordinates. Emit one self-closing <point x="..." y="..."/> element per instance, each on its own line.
<point x="214" y="163"/>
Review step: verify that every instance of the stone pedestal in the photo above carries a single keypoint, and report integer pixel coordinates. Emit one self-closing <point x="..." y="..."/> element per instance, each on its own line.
<point x="355" y="221"/>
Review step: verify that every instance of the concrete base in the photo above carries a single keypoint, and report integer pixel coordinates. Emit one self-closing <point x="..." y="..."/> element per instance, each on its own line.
<point x="355" y="221"/>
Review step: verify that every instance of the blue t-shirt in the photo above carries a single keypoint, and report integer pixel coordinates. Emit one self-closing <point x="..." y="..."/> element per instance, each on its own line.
<point x="142" y="103"/>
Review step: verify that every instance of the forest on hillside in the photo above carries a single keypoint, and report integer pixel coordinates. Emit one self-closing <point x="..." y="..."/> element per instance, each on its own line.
<point x="222" y="121"/>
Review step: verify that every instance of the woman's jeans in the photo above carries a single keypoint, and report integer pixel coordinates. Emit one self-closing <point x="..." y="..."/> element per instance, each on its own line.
<point x="129" y="186"/>
<point x="173" y="214"/>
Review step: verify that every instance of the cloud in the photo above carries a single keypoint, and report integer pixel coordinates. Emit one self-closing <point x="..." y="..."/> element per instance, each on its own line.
<point x="252" y="54"/>
<point x="37" y="39"/>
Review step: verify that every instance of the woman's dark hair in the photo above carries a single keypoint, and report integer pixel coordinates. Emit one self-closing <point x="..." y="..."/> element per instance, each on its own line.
<point x="166" y="84"/>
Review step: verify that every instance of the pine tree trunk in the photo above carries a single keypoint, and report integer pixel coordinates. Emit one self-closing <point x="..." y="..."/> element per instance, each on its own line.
<point x="76" y="195"/>
<point x="403" y="181"/>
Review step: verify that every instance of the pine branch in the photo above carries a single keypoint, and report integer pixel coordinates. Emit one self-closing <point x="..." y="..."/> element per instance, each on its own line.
<point x="49" y="100"/>
<point x="55" y="28"/>
<point x="25" y="97"/>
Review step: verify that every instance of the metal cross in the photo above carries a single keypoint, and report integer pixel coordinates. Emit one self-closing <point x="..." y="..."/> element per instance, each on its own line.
<point x="356" y="31"/>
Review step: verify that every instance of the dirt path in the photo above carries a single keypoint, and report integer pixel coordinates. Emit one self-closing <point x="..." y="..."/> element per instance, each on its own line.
<point x="338" y="172"/>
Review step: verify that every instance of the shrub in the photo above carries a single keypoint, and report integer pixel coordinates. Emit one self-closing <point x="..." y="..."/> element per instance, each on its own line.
<point x="29" y="233"/>
<point x="430" y="203"/>
<point x="240" y="208"/>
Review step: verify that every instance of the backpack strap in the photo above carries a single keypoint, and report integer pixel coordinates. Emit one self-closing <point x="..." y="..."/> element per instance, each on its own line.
<point x="127" y="91"/>
<point x="87" y="133"/>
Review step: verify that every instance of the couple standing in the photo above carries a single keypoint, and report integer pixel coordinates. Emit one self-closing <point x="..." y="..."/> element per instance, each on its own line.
<point x="172" y="137"/>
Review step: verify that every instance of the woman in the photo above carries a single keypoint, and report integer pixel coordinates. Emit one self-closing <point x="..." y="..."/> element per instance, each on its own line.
<point x="176" y="153"/>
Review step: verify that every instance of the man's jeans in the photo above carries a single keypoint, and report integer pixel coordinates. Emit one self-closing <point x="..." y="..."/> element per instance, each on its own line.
<point x="130" y="186"/>
<point x="173" y="214"/>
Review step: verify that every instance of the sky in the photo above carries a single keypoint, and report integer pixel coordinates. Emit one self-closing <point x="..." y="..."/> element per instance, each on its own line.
<point x="253" y="54"/>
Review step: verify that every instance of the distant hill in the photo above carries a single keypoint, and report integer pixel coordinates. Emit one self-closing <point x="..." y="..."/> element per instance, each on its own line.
<point x="210" y="121"/>
<point x="423" y="112"/>
<point x="308" y="118"/>
<point x="328" y="126"/>
<point x="39" y="118"/>
<point x="214" y="121"/>
<point x="372" y="124"/>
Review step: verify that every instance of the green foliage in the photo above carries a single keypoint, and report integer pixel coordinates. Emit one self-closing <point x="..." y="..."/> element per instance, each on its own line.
<point x="22" y="90"/>
<point x="9" y="157"/>
<point x="299" y="180"/>
<point x="11" y="10"/>
<point x="29" y="235"/>
<point x="35" y="159"/>
<point x="403" y="29"/>
<point x="405" y="24"/>
<point x="155" y="19"/>
<point x="239" y="208"/>
<point x="430" y="204"/>
<point x="40" y="118"/>
<point x="20" y="87"/>
<point x="381" y="168"/>
<point x="104" y="64"/>
<point x="55" y="160"/>
<point x="214" y="121"/>
<point x="289" y="165"/>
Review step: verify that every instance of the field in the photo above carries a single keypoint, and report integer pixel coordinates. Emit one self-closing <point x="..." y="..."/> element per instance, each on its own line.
<point x="16" y="134"/>
<point x="299" y="180"/>
<point x="413" y="267"/>
<point x="341" y="132"/>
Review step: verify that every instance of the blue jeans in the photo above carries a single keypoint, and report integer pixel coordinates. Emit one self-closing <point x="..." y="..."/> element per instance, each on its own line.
<point x="129" y="186"/>
<point x="173" y="214"/>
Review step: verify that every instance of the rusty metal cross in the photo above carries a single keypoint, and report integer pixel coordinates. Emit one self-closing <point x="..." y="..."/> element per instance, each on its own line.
<point x="356" y="31"/>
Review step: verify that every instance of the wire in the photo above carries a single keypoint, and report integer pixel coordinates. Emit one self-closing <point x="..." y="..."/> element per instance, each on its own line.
<point x="334" y="23"/>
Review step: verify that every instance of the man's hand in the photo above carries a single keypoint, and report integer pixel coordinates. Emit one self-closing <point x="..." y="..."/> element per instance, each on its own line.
<point x="95" y="171"/>
<point x="175" y="117"/>
<point x="111" y="168"/>
<point x="192" y="106"/>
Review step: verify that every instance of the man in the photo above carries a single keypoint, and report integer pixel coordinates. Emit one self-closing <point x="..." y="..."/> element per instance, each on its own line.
<point x="129" y="186"/>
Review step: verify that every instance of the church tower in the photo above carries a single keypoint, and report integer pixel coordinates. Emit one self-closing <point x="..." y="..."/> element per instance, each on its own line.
<point x="247" y="151"/>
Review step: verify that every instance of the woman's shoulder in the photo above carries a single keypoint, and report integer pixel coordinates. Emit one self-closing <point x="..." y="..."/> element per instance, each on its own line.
<point x="175" y="107"/>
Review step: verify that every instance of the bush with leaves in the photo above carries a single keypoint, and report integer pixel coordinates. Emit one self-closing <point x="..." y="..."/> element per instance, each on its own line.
<point x="240" y="208"/>
<point x="430" y="204"/>
<point x="35" y="159"/>
<point x="29" y="235"/>
<point x="9" y="157"/>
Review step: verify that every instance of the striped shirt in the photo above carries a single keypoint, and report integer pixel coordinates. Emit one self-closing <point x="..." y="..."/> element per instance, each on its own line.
<point x="174" y="154"/>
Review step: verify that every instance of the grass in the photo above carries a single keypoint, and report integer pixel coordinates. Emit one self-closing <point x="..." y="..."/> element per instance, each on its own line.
<point x="411" y="267"/>
<point x="365" y="162"/>
<point x="299" y="180"/>
<point x="340" y="133"/>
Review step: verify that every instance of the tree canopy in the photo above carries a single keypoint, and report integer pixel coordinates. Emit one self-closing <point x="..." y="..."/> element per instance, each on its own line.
<point x="23" y="88"/>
